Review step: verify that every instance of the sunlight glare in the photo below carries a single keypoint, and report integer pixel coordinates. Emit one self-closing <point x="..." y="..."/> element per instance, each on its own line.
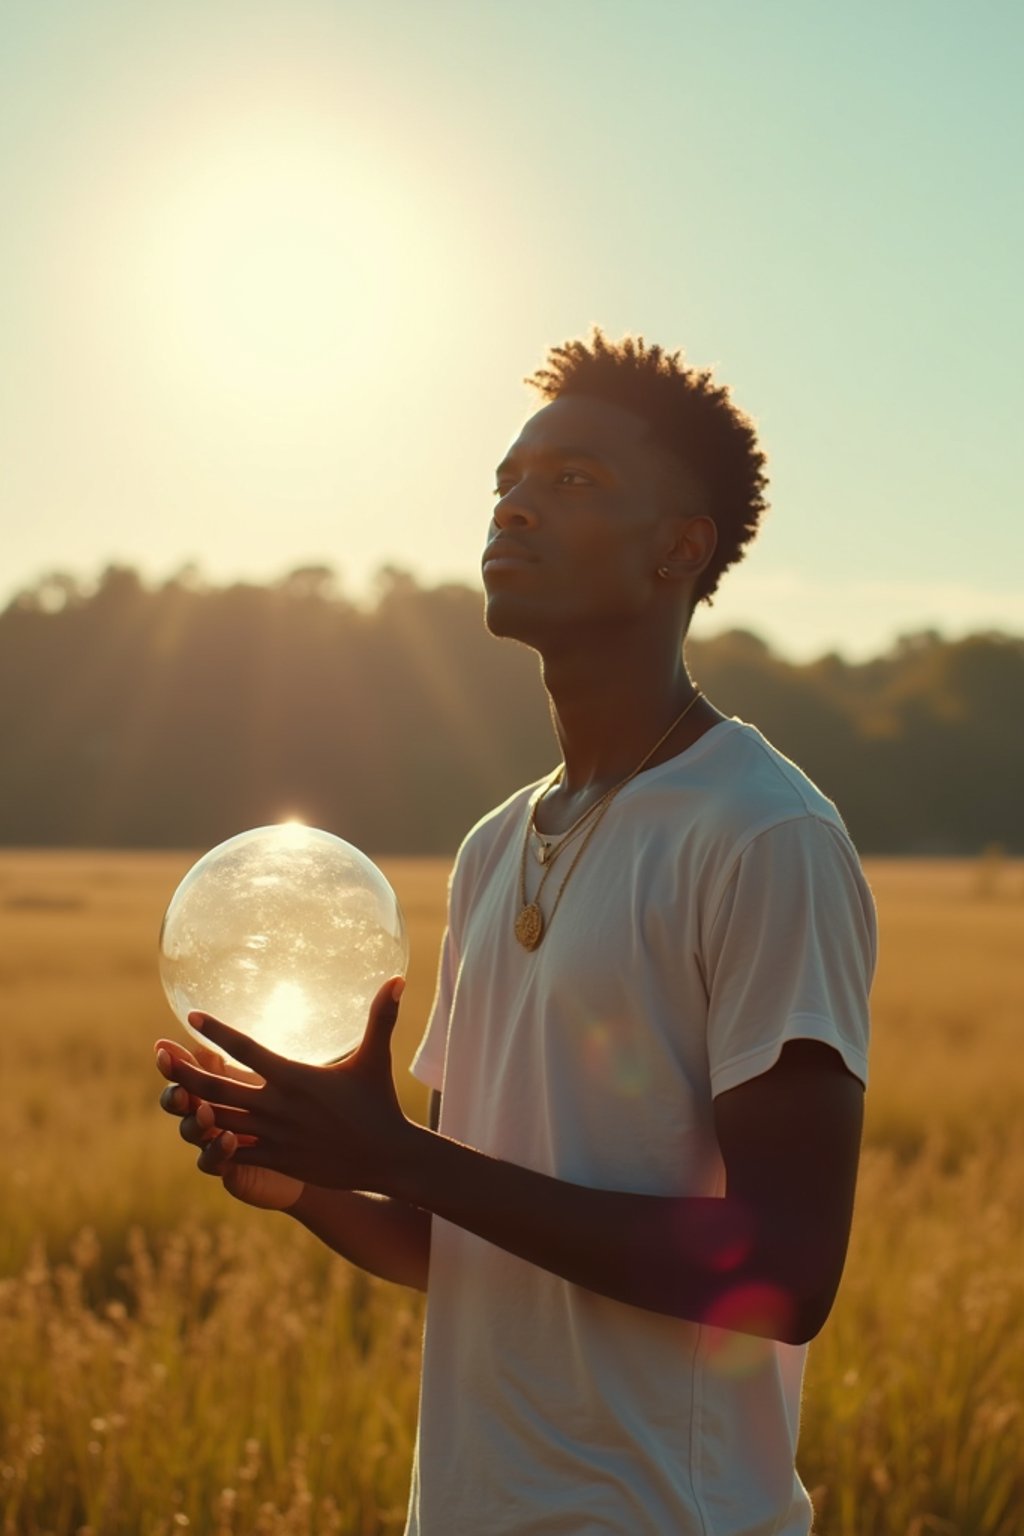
<point x="275" y="257"/>
<point x="285" y="1017"/>
<point x="294" y="832"/>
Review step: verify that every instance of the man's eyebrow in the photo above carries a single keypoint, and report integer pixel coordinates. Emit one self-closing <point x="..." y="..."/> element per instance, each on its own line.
<point x="557" y="451"/>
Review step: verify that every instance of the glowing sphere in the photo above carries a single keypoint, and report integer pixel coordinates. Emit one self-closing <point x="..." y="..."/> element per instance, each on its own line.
<point x="285" y="933"/>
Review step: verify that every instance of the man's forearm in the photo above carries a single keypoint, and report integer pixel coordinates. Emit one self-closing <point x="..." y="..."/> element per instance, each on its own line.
<point x="765" y="1257"/>
<point x="685" y="1257"/>
<point x="385" y="1237"/>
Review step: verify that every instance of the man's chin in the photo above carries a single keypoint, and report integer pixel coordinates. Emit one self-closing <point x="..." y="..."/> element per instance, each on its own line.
<point x="507" y="619"/>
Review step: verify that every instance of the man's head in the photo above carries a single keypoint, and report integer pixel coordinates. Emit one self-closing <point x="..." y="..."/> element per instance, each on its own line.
<point x="688" y="415"/>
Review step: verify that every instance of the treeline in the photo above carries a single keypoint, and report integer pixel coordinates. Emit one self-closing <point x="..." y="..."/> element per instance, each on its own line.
<point x="173" y="716"/>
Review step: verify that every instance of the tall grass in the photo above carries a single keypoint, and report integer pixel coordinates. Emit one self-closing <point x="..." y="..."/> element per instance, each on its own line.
<point x="171" y="1361"/>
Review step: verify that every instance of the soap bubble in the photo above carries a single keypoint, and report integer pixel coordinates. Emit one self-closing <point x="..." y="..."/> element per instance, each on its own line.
<point x="286" y="933"/>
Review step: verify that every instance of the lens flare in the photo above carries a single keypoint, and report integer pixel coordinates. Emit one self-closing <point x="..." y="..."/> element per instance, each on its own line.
<point x="743" y="1324"/>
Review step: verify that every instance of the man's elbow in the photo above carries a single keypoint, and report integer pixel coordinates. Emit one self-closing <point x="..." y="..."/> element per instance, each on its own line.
<point x="778" y="1308"/>
<point x="807" y="1278"/>
<point x="808" y="1317"/>
<point x="804" y="1328"/>
<point x="772" y="1308"/>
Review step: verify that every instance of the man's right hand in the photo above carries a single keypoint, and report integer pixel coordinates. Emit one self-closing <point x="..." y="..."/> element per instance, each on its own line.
<point x="260" y="1187"/>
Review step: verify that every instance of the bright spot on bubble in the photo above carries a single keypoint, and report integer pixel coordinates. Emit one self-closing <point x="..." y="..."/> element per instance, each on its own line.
<point x="292" y="832"/>
<point x="286" y="1015"/>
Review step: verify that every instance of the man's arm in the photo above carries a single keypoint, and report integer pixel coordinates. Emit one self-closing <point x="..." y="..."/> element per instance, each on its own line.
<point x="765" y="1258"/>
<point x="389" y="1238"/>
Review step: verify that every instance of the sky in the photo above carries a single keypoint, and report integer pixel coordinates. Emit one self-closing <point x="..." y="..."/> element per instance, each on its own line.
<point x="272" y="273"/>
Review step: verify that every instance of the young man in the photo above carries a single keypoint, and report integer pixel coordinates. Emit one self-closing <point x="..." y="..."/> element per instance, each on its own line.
<point x="648" y="1046"/>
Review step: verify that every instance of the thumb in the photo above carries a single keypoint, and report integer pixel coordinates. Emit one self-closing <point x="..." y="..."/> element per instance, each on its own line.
<point x="375" y="1049"/>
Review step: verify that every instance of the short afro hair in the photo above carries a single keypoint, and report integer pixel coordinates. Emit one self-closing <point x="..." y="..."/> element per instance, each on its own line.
<point x="687" y="413"/>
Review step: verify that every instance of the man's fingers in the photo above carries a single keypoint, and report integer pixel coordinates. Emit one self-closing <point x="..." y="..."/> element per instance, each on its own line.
<point x="177" y="1102"/>
<point x="177" y="1051"/>
<point x="380" y="1026"/>
<point x="211" y="1060"/>
<point x="217" y="1153"/>
<point x="257" y="1154"/>
<point x="242" y="1047"/>
<point x="199" y="1128"/>
<point x="204" y="1085"/>
<point x="174" y="1100"/>
<point x="237" y="1120"/>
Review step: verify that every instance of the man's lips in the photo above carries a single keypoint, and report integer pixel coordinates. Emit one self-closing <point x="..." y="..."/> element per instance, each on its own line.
<point x="503" y="554"/>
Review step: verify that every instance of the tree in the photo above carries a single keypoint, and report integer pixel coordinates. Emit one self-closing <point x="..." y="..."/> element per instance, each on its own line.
<point x="178" y="715"/>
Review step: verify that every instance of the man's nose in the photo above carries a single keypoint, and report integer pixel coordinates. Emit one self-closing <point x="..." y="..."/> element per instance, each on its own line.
<point x="515" y="509"/>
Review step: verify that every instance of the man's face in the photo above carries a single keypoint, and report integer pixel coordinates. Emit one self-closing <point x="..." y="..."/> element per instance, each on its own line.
<point x="585" y="513"/>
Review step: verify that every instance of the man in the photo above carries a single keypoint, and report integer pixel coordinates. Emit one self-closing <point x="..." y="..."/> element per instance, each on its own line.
<point x="648" y="1046"/>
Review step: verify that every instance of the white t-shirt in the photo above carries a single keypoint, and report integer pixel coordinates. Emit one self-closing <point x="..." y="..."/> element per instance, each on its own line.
<point x="718" y="911"/>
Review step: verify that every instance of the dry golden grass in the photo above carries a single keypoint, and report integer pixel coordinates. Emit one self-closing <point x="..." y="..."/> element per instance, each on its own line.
<point x="81" y="1003"/>
<point x="172" y="1361"/>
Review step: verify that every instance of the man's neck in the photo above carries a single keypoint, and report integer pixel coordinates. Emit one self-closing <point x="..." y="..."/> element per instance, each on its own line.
<point x="609" y="712"/>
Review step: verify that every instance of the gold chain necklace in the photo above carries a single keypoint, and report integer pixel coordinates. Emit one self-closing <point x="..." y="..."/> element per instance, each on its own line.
<point x="549" y="852"/>
<point x="530" y="923"/>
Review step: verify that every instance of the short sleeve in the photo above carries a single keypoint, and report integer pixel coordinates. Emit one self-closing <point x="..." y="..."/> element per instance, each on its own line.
<point x="789" y="952"/>
<point x="428" y="1062"/>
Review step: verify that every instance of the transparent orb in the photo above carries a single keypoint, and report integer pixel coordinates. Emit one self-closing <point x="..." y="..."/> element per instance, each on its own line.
<point x="286" y="933"/>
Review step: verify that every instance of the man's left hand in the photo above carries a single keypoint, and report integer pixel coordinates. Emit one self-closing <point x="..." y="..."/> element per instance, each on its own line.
<point x="340" y="1126"/>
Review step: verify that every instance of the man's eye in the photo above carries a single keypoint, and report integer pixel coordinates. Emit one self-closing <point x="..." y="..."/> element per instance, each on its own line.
<point x="573" y="477"/>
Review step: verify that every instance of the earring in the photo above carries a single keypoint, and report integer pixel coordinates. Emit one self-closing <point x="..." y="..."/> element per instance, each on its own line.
<point x="664" y="571"/>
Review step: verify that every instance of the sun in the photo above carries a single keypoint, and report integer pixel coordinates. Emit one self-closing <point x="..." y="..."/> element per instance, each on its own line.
<point x="273" y="258"/>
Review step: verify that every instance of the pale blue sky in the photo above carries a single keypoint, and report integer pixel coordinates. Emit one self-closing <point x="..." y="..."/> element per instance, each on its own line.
<point x="271" y="275"/>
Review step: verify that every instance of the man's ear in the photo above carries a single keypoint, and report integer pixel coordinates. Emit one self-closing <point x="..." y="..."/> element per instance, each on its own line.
<point x="693" y="543"/>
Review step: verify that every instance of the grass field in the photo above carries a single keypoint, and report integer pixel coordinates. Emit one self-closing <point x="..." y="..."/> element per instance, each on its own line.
<point x="170" y="1361"/>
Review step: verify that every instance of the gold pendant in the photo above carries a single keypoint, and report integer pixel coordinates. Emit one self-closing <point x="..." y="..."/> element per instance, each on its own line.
<point x="530" y="925"/>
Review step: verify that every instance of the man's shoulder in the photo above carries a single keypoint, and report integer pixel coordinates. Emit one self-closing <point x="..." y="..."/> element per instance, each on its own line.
<point x="493" y="822"/>
<point x="757" y="777"/>
<point x="492" y="830"/>
<point x="736" y="785"/>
